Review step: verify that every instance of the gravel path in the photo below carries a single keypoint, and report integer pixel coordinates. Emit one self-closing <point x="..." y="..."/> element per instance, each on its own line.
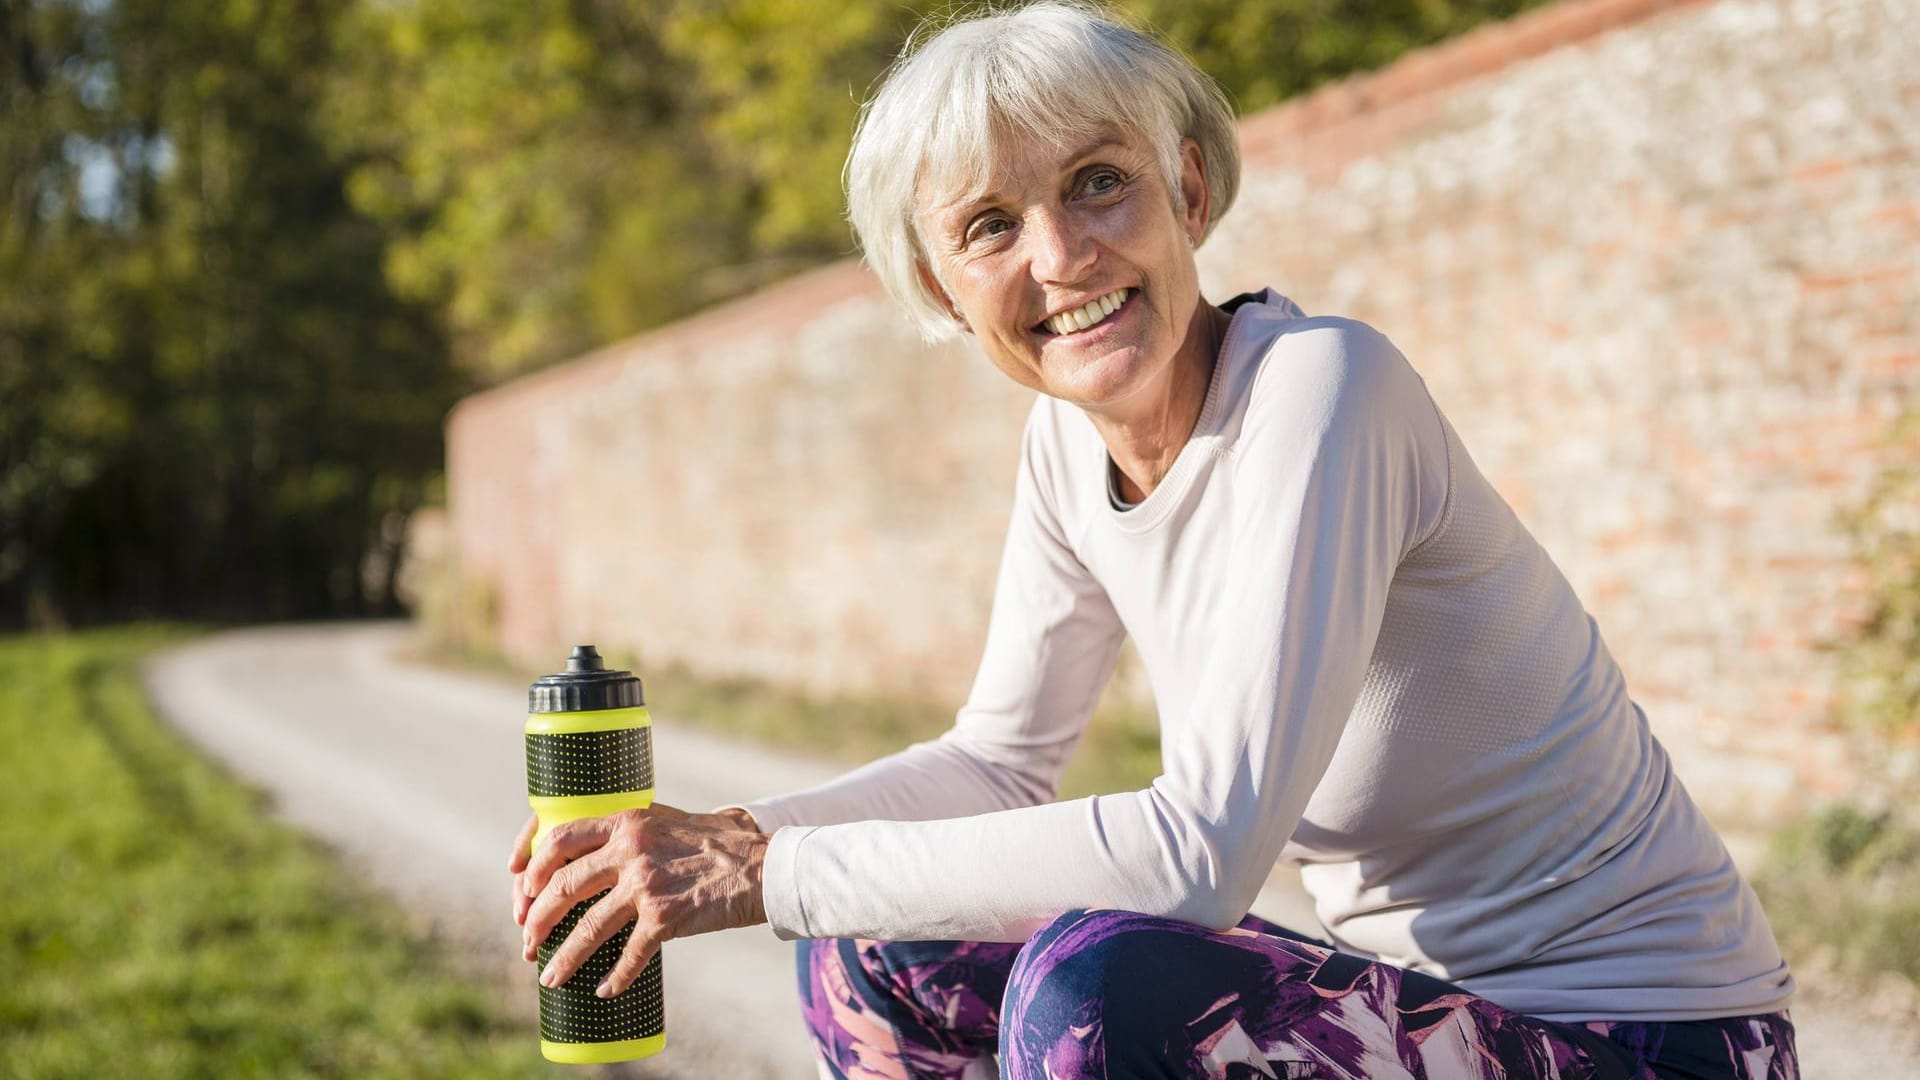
<point x="416" y="775"/>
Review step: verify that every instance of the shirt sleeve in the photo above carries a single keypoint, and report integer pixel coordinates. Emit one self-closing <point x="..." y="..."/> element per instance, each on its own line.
<point x="1052" y="642"/>
<point x="1339" y="451"/>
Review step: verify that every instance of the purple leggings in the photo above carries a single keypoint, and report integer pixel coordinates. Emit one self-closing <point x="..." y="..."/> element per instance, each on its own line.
<point x="1118" y="994"/>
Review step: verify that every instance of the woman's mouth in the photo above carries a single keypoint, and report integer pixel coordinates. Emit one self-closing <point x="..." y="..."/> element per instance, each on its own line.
<point x="1090" y="316"/>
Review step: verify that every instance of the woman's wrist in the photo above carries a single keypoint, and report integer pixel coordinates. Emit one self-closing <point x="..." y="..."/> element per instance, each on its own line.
<point x="756" y="878"/>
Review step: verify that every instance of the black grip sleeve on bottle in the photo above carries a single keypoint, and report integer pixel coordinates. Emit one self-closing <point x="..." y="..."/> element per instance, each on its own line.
<point x="590" y="762"/>
<point x="569" y="1013"/>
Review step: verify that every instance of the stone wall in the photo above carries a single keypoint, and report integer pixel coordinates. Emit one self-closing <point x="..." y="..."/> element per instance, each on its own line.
<point x="1659" y="262"/>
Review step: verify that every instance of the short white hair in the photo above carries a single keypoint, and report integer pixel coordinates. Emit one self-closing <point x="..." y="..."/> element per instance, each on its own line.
<point x="1061" y="71"/>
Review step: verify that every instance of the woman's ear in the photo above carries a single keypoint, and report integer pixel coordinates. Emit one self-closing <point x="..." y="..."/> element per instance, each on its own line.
<point x="1193" y="192"/>
<point x="932" y="285"/>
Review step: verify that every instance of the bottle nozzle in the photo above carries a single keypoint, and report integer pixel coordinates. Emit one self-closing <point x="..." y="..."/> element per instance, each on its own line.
<point x="587" y="684"/>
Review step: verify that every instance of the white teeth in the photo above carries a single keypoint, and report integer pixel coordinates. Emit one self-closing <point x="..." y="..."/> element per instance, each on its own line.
<point x="1082" y="317"/>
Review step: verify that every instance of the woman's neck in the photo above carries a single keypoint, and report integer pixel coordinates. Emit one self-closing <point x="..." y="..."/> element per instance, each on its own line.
<point x="1145" y="444"/>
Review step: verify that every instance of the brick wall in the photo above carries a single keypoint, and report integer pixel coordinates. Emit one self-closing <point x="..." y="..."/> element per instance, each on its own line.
<point x="1659" y="262"/>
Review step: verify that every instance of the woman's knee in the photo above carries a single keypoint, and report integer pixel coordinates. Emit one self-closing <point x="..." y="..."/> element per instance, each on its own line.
<point x="1070" y="934"/>
<point x="1086" y="956"/>
<point x="1096" y="987"/>
<point x="1080" y="988"/>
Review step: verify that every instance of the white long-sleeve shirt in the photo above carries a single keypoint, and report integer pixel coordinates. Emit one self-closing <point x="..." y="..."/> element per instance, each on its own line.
<point x="1363" y="664"/>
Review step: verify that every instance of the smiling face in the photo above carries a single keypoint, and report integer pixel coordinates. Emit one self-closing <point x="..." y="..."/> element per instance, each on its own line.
<point x="1076" y="270"/>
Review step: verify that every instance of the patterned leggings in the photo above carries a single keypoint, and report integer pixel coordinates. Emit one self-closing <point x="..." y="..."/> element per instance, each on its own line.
<point x="1117" y="994"/>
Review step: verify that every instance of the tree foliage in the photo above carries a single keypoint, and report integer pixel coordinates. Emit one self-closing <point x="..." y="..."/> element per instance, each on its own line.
<point x="210" y="401"/>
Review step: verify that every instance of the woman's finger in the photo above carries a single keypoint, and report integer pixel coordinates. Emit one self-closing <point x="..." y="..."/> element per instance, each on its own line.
<point x="521" y="902"/>
<point x="596" y="925"/>
<point x="523" y="845"/>
<point x="566" y="842"/>
<point x="574" y="883"/>
<point x="633" y="960"/>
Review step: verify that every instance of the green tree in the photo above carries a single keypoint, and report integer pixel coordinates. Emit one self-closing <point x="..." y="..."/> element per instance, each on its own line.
<point x="210" y="402"/>
<point x="549" y="188"/>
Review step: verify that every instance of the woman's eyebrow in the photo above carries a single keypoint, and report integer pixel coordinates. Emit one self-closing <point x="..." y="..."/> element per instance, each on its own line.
<point x="1105" y="143"/>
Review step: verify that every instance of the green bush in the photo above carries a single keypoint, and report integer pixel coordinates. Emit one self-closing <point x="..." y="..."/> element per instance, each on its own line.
<point x="1880" y="659"/>
<point x="1847" y="880"/>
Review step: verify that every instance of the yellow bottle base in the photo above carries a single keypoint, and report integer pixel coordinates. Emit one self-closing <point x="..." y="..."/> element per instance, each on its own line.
<point x="598" y="1053"/>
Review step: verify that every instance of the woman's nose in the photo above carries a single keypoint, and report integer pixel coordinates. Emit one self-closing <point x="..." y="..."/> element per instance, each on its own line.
<point x="1059" y="249"/>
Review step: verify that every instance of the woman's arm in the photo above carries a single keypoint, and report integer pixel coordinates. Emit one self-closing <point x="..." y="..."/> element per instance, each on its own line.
<point x="1337" y="469"/>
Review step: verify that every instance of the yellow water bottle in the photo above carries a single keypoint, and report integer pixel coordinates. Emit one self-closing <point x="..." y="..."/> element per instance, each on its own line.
<point x="589" y="753"/>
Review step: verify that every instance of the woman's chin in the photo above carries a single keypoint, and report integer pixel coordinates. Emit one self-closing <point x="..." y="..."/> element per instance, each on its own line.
<point x="1106" y="379"/>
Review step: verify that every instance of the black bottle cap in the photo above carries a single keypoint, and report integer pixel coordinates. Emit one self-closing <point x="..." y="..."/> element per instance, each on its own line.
<point x="586" y="684"/>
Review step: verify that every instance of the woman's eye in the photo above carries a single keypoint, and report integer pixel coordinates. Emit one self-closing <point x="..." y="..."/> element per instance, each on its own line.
<point x="990" y="228"/>
<point x="1102" y="182"/>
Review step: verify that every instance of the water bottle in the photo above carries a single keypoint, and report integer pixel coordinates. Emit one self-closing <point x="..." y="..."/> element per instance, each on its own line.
<point x="589" y="753"/>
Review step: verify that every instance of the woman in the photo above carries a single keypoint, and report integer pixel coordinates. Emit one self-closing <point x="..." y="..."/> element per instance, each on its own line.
<point x="1363" y="664"/>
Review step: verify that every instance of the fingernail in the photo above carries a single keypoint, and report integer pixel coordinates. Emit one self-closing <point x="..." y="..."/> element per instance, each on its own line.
<point x="605" y="989"/>
<point x="546" y="979"/>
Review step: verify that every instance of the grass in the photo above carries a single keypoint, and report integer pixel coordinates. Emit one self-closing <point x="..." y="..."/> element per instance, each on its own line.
<point x="1847" y="881"/>
<point x="156" y="923"/>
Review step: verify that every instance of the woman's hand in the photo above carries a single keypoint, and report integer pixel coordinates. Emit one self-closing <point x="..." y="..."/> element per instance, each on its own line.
<point x="672" y="874"/>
